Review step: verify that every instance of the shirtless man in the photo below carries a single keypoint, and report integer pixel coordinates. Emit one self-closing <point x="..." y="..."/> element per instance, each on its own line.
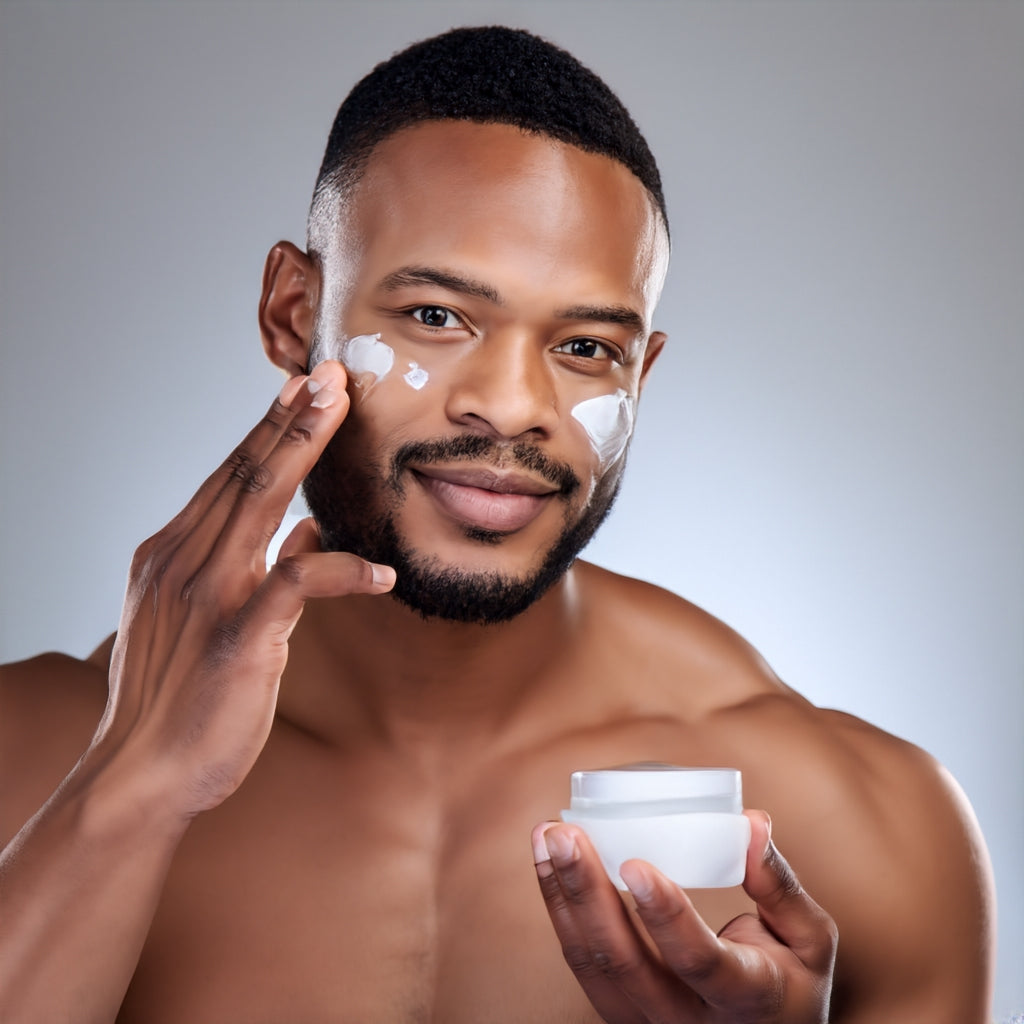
<point x="306" y="795"/>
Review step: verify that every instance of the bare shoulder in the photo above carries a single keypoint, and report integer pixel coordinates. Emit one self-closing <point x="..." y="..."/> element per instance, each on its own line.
<point x="50" y="706"/>
<point x="683" y="654"/>
<point x="880" y="834"/>
<point x="877" y="830"/>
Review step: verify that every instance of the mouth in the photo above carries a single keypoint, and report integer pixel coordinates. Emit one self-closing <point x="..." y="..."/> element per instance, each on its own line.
<point x="485" y="499"/>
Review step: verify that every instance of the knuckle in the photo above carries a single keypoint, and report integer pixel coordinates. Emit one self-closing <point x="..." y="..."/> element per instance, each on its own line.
<point x="297" y="434"/>
<point x="661" y="917"/>
<point x="574" y="886"/>
<point x="226" y="641"/>
<point x="291" y="570"/>
<point x="579" y="959"/>
<point x="696" y="964"/>
<point x="613" y="966"/>
<point x="248" y="472"/>
<point x="148" y="557"/>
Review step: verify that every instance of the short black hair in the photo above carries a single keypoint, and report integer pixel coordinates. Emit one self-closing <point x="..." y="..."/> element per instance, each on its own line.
<point x="491" y="75"/>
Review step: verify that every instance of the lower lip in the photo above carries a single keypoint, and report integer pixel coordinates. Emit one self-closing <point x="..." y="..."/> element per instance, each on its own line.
<point x="485" y="510"/>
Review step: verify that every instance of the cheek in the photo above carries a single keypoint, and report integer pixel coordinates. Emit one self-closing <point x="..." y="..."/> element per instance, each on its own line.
<point x="376" y="368"/>
<point x="370" y="361"/>
<point x="607" y="421"/>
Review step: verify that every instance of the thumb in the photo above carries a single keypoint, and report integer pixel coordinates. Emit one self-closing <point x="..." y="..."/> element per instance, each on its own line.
<point x="783" y="905"/>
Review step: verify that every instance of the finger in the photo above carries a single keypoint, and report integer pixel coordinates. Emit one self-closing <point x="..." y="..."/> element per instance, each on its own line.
<point x="599" y="940"/>
<point x="261" y="501"/>
<point x="304" y="537"/>
<point x="272" y="611"/>
<point x="216" y="560"/>
<point x="236" y="469"/>
<point x="277" y="603"/>
<point x="688" y="947"/>
<point x="783" y="905"/>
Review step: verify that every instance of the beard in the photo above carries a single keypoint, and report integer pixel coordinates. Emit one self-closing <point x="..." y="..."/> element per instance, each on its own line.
<point x="355" y="506"/>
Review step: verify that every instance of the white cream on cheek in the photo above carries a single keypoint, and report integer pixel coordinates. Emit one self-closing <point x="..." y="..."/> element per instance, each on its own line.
<point x="366" y="355"/>
<point x="416" y="377"/>
<point x="608" y="421"/>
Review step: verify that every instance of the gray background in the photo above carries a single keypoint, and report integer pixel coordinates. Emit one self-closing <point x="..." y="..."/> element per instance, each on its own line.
<point x="830" y="453"/>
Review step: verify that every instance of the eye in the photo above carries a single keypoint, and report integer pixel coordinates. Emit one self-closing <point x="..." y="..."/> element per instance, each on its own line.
<point x="436" y="316"/>
<point x="586" y="348"/>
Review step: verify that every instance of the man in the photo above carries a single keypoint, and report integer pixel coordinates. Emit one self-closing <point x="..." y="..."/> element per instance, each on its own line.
<point x="306" y="794"/>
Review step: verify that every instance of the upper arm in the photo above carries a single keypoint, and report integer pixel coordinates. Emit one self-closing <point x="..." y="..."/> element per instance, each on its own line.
<point x="49" y="709"/>
<point x="916" y="914"/>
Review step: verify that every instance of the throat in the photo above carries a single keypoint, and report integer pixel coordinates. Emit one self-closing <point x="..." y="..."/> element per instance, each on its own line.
<point x="371" y="666"/>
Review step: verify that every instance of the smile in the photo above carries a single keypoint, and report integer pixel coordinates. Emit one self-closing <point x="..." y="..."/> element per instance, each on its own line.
<point x="485" y="499"/>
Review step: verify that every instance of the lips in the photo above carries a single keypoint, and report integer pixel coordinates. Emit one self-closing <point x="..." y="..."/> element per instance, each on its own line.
<point x="486" y="499"/>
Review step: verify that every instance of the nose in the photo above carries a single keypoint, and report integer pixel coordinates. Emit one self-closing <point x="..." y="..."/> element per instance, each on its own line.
<point x="505" y="388"/>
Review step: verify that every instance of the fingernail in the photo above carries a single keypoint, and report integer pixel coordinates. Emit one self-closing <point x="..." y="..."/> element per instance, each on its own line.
<point x="324" y="396"/>
<point x="637" y="881"/>
<point x="290" y="390"/>
<point x="561" y="845"/>
<point x="540" y="850"/>
<point x="383" y="575"/>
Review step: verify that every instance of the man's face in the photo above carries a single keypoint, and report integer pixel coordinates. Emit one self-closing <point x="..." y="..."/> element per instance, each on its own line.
<point x="511" y="280"/>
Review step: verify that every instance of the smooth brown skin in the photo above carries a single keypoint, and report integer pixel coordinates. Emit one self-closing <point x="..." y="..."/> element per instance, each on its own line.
<point x="373" y="862"/>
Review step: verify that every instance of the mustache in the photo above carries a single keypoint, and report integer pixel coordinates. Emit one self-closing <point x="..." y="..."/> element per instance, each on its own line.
<point x="474" y="447"/>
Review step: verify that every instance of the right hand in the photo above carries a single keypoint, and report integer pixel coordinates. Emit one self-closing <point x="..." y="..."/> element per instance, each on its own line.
<point x="203" y="637"/>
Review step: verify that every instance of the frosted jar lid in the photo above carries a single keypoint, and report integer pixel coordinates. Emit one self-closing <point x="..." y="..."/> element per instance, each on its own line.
<point x="654" y="788"/>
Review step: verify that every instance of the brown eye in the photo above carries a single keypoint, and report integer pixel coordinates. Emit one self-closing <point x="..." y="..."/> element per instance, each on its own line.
<point x="585" y="348"/>
<point x="436" y="316"/>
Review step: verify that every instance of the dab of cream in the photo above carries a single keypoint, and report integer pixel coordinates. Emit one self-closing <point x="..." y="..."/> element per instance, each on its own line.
<point x="366" y="354"/>
<point x="608" y="421"/>
<point x="416" y="377"/>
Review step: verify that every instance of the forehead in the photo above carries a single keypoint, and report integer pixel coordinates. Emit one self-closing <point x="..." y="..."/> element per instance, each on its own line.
<point x="521" y="203"/>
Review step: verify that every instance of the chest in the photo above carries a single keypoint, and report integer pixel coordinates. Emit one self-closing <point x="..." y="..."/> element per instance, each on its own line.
<point x="365" y="892"/>
<point x="307" y="903"/>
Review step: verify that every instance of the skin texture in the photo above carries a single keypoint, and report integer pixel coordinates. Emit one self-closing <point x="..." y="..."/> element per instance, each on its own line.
<point x="301" y="801"/>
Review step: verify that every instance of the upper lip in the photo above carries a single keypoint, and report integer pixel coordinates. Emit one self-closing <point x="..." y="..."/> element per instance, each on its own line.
<point x="487" y="479"/>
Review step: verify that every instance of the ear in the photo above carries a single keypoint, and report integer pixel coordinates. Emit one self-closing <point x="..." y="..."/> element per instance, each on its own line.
<point x="291" y="290"/>
<point x="655" y="343"/>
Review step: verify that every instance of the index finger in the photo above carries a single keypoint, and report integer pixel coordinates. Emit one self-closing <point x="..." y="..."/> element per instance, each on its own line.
<point x="236" y="471"/>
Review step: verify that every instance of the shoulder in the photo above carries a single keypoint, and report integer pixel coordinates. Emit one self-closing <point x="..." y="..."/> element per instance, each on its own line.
<point x="50" y="706"/>
<point x="877" y="830"/>
<point x="679" y="649"/>
<point x="905" y="873"/>
<point x="881" y="834"/>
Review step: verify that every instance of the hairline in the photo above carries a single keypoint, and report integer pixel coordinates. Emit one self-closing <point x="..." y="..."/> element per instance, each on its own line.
<point x="334" y="188"/>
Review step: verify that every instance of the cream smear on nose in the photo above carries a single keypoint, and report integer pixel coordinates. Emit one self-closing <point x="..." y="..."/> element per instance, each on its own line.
<point x="366" y="354"/>
<point x="608" y="421"/>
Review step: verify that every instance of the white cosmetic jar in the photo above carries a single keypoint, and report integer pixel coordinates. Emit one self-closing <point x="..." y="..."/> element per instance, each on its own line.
<point x="687" y="822"/>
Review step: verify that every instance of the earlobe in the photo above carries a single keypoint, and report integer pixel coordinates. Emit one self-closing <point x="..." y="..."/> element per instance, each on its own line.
<point x="291" y="290"/>
<point x="655" y="343"/>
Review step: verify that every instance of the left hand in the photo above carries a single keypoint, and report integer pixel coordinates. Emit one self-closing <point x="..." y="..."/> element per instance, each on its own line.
<point x="775" y="968"/>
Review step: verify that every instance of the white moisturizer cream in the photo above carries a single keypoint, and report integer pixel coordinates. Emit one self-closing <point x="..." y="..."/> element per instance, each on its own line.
<point x="366" y="354"/>
<point x="608" y="421"/>
<point x="687" y="822"/>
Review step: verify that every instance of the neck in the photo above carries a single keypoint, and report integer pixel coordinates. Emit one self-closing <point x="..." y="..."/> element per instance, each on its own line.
<point x="370" y="666"/>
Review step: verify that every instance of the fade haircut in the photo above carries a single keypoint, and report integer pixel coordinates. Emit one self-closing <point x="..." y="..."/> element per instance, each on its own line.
<point x="491" y="75"/>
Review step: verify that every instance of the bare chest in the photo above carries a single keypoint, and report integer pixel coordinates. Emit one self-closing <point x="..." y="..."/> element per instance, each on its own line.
<point x="318" y="895"/>
<point x="315" y="905"/>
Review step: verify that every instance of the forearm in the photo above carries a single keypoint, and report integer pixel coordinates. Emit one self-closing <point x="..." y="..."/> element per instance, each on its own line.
<point x="79" y="885"/>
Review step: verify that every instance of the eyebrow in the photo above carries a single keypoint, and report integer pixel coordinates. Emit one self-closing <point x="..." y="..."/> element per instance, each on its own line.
<point x="406" y="276"/>
<point x="623" y="316"/>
